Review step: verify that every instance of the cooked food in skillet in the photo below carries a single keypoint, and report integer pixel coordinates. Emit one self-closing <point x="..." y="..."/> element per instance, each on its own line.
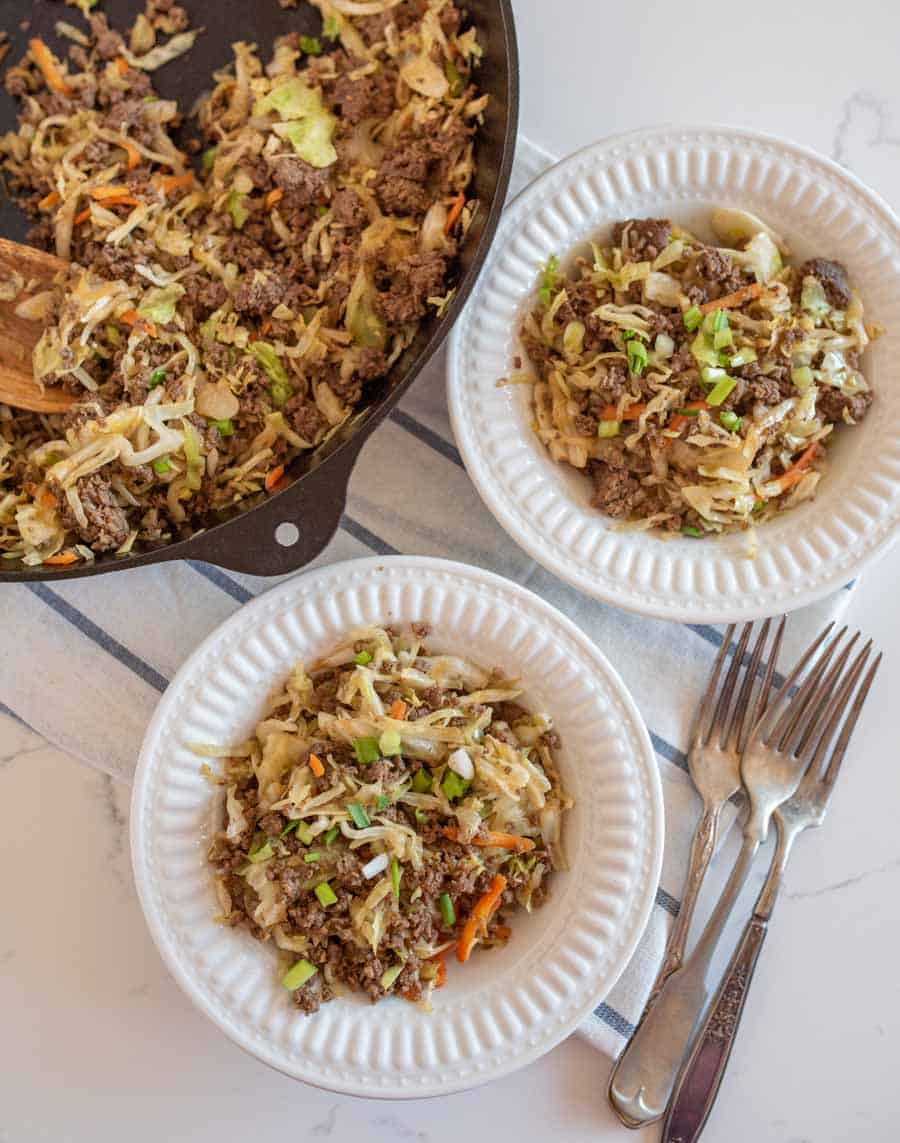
<point x="394" y="806"/>
<point x="698" y="386"/>
<point x="218" y="321"/>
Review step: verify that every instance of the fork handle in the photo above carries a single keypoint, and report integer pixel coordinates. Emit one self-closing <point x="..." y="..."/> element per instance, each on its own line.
<point x="703" y="846"/>
<point x="699" y="1083"/>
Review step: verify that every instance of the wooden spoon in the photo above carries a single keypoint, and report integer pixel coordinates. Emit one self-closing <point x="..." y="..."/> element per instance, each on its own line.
<point x="19" y="335"/>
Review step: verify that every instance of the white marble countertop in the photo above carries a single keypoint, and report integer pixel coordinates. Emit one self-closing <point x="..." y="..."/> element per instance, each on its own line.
<point x="99" y="1043"/>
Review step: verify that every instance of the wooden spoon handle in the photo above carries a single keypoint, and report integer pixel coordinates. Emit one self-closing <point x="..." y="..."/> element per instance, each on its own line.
<point x="19" y="335"/>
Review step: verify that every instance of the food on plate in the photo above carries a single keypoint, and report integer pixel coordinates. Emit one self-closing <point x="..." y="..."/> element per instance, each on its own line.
<point x="698" y="386"/>
<point x="395" y="807"/>
<point x="225" y="310"/>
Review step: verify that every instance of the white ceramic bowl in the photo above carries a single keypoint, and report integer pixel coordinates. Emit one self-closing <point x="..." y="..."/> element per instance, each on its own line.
<point x="504" y="1008"/>
<point x="681" y="173"/>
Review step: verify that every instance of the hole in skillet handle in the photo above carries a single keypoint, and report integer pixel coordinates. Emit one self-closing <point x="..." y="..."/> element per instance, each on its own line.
<point x="290" y="528"/>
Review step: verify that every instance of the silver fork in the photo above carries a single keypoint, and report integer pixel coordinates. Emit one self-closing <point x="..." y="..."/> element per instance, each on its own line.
<point x="646" y="1073"/>
<point x="714" y="761"/>
<point x="699" y="1082"/>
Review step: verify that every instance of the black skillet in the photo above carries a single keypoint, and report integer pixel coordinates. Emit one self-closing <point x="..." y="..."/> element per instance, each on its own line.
<point x="313" y="500"/>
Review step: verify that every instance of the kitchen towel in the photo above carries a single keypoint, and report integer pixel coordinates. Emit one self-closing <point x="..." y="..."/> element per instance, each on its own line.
<point x="85" y="662"/>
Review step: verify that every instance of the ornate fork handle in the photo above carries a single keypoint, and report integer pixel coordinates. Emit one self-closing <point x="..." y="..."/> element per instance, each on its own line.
<point x="703" y="847"/>
<point x="699" y="1082"/>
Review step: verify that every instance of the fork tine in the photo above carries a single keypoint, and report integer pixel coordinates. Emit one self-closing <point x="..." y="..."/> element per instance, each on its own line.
<point x="840" y="747"/>
<point x="808" y="695"/>
<point x="723" y="706"/>
<point x="767" y="717"/>
<point x="761" y="704"/>
<point x="806" y="721"/>
<point x="819" y="742"/>
<point x="707" y="706"/>
<point x="736" y="722"/>
<point x="786" y="706"/>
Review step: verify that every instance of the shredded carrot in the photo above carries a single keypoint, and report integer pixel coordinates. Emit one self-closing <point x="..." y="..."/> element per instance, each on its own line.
<point x="49" y="201"/>
<point x="114" y="196"/>
<point x="82" y="216"/>
<point x="265" y="327"/>
<point x="63" y="559"/>
<point x="731" y="301"/>
<point x="169" y="183"/>
<point x="795" y="473"/>
<point x="476" y="926"/>
<point x="134" y="155"/>
<point x="632" y="413"/>
<point x="273" y="476"/>
<point x="315" y="764"/>
<point x="398" y="710"/>
<point x="679" y="420"/>
<point x="441" y="979"/>
<point x="48" y="500"/>
<point x="49" y="65"/>
<point x="455" y="211"/>
<point x="121" y="65"/>
<point x="274" y="197"/>
<point x="494" y="839"/>
<point x="133" y="318"/>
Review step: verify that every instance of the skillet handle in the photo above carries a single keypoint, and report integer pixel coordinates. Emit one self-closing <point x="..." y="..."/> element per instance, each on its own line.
<point x="304" y="517"/>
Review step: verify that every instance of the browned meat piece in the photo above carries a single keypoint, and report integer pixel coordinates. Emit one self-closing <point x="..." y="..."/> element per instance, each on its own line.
<point x="304" y="418"/>
<point x="399" y="195"/>
<point x="412" y="282"/>
<point x="109" y="43"/>
<point x="260" y="293"/>
<point x="307" y="183"/>
<point x="204" y="294"/>
<point x="647" y="237"/>
<point x="348" y="208"/>
<point x="107" y="523"/>
<point x="616" y="492"/>
<point x="833" y="277"/>
<point x="369" y="97"/>
<point x="716" y="273"/>
<point x="832" y="404"/>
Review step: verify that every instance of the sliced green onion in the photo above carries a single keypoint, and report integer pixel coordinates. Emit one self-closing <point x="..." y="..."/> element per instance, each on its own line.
<point x="309" y="858"/>
<point x="310" y="46"/>
<point x="447" y="910"/>
<point x="422" y="781"/>
<point x="359" y="815"/>
<point x="304" y="832"/>
<point x="720" y="391"/>
<point x="743" y="356"/>
<point x="209" y="157"/>
<point x="637" y="356"/>
<point x="332" y="834"/>
<point x="331" y="27"/>
<point x="802" y="377"/>
<point x="237" y="210"/>
<point x="421" y="816"/>
<point x="362" y="658"/>
<point x="688" y="412"/>
<point x="722" y="337"/>
<point x="366" y="749"/>
<point x="454" y="786"/>
<point x="261" y="852"/>
<point x="298" y="974"/>
<point x="712" y="374"/>
<point x="607" y="429"/>
<point x="692" y="318"/>
<point x="719" y="321"/>
<point x="156" y="378"/>
<point x="628" y="334"/>
<point x="226" y="428"/>
<point x="690" y="530"/>
<point x="390" y="743"/>
<point x="382" y="802"/>
<point x="290" y="827"/>
<point x="162" y="465"/>
<point x="325" y="894"/>
<point x="730" y="421"/>
<point x="390" y="975"/>
<point x="396" y="874"/>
